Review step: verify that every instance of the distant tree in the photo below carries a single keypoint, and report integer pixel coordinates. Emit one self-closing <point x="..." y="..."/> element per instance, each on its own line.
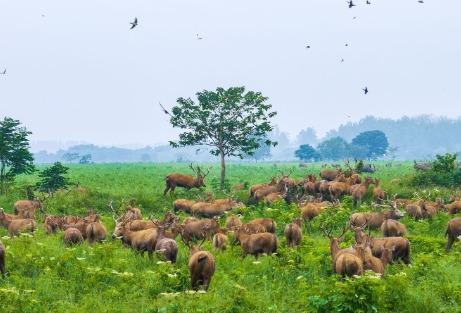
<point x="375" y="141"/>
<point x="392" y="152"/>
<point x="230" y="121"/>
<point x="307" y="136"/>
<point x="15" y="157"/>
<point x="307" y="153"/>
<point x="335" y="148"/>
<point x="444" y="163"/>
<point x="70" y="157"/>
<point x="86" y="159"/>
<point x="53" y="178"/>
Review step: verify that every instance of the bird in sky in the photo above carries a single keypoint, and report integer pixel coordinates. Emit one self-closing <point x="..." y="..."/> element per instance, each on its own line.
<point x="164" y="110"/>
<point x="199" y="37"/>
<point x="4" y="72"/>
<point x="346" y="45"/>
<point x="420" y="1"/>
<point x="351" y="4"/>
<point x="342" y="60"/>
<point x="365" y="90"/>
<point x="308" y="47"/>
<point x="368" y="2"/>
<point x="134" y="23"/>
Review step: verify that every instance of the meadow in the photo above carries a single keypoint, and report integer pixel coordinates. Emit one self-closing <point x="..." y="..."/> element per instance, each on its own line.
<point x="45" y="276"/>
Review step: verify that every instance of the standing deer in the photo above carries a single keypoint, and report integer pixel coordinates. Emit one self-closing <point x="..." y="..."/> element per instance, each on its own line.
<point x="185" y="180"/>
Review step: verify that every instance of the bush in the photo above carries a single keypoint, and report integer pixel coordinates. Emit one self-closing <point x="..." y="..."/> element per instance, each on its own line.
<point x="443" y="172"/>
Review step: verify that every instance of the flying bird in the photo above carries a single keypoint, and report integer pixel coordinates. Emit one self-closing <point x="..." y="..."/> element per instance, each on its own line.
<point x="368" y="2"/>
<point x="308" y="47"/>
<point x="346" y="45"/>
<point x="355" y="17"/>
<point x="342" y="60"/>
<point x="365" y="90"/>
<point x="134" y="23"/>
<point x="199" y="37"/>
<point x="421" y="1"/>
<point x="351" y="4"/>
<point x="4" y="72"/>
<point x="164" y="110"/>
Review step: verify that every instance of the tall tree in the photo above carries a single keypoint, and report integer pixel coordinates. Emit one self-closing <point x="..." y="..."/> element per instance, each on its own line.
<point x="53" y="178"/>
<point x="15" y="157"/>
<point x="230" y="121"/>
<point x="335" y="148"/>
<point x="374" y="141"/>
<point x="307" y="153"/>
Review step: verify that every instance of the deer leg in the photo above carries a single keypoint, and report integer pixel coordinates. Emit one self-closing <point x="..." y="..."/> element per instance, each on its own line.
<point x="166" y="190"/>
<point x="449" y="243"/>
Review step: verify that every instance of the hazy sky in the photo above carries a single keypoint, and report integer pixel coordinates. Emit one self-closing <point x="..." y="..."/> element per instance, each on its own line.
<point x="79" y="73"/>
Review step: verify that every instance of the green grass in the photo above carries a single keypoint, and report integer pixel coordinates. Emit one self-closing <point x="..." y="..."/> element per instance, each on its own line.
<point x="45" y="276"/>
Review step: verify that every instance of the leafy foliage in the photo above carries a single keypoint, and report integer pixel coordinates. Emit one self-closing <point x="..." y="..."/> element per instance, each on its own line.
<point x="53" y="178"/>
<point x="374" y="141"/>
<point x="307" y="153"/>
<point x="230" y="121"/>
<point x="15" y="157"/>
<point x="443" y="172"/>
<point x="334" y="149"/>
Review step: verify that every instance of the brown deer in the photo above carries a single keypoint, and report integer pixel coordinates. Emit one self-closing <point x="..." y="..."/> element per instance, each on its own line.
<point x="374" y="220"/>
<point x="72" y="236"/>
<point x="256" y="187"/>
<point x="95" y="231"/>
<point x="378" y="192"/>
<point x="268" y="223"/>
<point x="165" y="246"/>
<point x="27" y="208"/>
<point x="258" y="243"/>
<point x="359" y="192"/>
<point x="293" y="233"/>
<point x="201" y="267"/>
<point x="393" y="228"/>
<point x="186" y="181"/>
<point x="16" y="226"/>
<point x="220" y="241"/>
<point x="232" y="222"/>
<point x="453" y="232"/>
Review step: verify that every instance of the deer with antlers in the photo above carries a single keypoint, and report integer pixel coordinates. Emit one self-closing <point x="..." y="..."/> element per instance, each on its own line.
<point x="185" y="180"/>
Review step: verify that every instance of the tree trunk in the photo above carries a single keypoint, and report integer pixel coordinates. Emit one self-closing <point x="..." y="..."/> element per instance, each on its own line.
<point x="223" y="170"/>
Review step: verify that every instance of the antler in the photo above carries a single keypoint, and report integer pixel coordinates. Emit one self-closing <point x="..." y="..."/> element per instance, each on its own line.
<point x="327" y="233"/>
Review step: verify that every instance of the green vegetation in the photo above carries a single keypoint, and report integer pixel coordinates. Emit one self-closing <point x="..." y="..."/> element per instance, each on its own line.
<point x="15" y="157"/>
<point x="229" y="121"/>
<point x="53" y="178"/>
<point x="45" y="276"/>
<point x="443" y="171"/>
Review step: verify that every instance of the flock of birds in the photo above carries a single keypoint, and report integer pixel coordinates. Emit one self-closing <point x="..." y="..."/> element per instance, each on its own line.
<point x="350" y="3"/>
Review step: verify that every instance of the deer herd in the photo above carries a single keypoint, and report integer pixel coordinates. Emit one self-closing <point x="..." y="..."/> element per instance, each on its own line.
<point x="255" y="237"/>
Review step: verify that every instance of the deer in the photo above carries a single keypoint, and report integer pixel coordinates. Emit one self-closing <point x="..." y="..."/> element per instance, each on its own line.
<point x="378" y="192"/>
<point x="201" y="265"/>
<point x="374" y="220"/>
<point x="197" y="229"/>
<point x="293" y="233"/>
<point x="400" y="245"/>
<point x="167" y="247"/>
<point x="269" y="224"/>
<point x="330" y="174"/>
<point x="258" y="243"/>
<point x="359" y="192"/>
<point x="95" y="231"/>
<point x="27" y="208"/>
<point x="311" y="210"/>
<point x="256" y="187"/>
<point x="216" y="208"/>
<point x="187" y="181"/>
<point x="220" y="240"/>
<point x="393" y="228"/>
<point x="232" y="222"/>
<point x="16" y="226"/>
<point x="453" y="232"/>
<point x="72" y="236"/>
<point x="421" y="166"/>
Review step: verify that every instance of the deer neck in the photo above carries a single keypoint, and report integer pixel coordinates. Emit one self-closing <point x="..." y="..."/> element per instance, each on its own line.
<point x="334" y="247"/>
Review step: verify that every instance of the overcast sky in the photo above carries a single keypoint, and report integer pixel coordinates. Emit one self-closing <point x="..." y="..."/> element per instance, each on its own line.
<point x="76" y="72"/>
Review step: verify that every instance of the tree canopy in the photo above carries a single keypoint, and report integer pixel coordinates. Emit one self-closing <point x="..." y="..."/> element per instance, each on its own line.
<point x="230" y="121"/>
<point x="335" y="148"/>
<point x="53" y="178"/>
<point x="307" y="153"/>
<point x="15" y="157"/>
<point x="374" y="141"/>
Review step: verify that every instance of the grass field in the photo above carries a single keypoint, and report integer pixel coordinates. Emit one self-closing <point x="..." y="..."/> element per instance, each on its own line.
<point x="45" y="276"/>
